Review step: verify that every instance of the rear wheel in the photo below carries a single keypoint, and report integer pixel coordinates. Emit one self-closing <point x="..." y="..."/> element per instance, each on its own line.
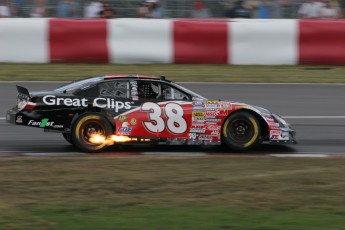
<point x="241" y="131"/>
<point x="86" y="125"/>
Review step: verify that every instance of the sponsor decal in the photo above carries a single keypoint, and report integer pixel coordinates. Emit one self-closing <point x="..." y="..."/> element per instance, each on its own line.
<point x="274" y="137"/>
<point x="212" y="102"/>
<point x="223" y="112"/>
<point x="198" y="108"/>
<point x="192" y="135"/>
<point x="278" y="135"/>
<point x="53" y="100"/>
<point x="193" y="130"/>
<point x="133" y="121"/>
<point x="198" y="103"/>
<point x="111" y="104"/>
<point x="198" y="113"/>
<point x="199" y="128"/>
<point x="134" y="90"/>
<point x="215" y="133"/>
<point x="108" y="103"/>
<point x="198" y="119"/>
<point x="226" y="105"/>
<point x="198" y="123"/>
<point x="211" y="113"/>
<point x="124" y="129"/>
<point x="19" y="120"/>
<point x="284" y="135"/>
<point x="205" y="137"/>
<point x="122" y="118"/>
<point x="213" y="119"/>
<point x="213" y="127"/>
<point x="275" y="132"/>
<point x="212" y="105"/>
<point x="217" y="112"/>
<point x="269" y="119"/>
<point x="44" y="123"/>
<point x="273" y="125"/>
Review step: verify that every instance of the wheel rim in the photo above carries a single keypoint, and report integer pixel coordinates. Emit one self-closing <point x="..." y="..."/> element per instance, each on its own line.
<point x="241" y="131"/>
<point x="91" y="127"/>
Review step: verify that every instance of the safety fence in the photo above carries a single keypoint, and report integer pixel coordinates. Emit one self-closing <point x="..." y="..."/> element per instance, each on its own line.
<point x="170" y="8"/>
<point x="145" y="41"/>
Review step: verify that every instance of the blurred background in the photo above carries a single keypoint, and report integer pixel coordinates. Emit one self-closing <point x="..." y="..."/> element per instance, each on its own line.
<point x="262" y="9"/>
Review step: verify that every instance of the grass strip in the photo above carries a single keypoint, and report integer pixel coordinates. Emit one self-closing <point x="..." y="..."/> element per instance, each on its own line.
<point x="181" y="73"/>
<point x="143" y="192"/>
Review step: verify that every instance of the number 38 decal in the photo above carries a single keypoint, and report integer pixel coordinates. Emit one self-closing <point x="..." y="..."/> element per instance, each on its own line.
<point x="175" y="122"/>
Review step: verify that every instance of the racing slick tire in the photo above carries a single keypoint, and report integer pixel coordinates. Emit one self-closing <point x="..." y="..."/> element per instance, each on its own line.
<point x="241" y="131"/>
<point x="68" y="137"/>
<point x="87" y="124"/>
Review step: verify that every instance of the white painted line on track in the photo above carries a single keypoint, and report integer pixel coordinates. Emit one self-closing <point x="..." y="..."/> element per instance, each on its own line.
<point x="317" y="155"/>
<point x="175" y="154"/>
<point x="38" y="154"/>
<point x="2" y="118"/>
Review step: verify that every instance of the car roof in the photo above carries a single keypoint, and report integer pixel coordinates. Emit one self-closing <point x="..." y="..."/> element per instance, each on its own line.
<point x="92" y="80"/>
<point x="126" y="76"/>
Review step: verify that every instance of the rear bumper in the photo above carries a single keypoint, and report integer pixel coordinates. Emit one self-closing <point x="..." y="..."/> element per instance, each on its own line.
<point x="38" y="119"/>
<point x="11" y="116"/>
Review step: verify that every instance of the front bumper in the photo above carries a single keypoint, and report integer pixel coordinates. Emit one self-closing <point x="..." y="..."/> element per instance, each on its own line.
<point x="283" y="136"/>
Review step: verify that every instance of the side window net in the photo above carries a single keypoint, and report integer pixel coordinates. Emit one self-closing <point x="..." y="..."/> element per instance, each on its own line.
<point x="169" y="93"/>
<point x="117" y="89"/>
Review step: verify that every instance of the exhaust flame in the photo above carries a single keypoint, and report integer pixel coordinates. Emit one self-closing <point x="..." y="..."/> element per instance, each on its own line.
<point x="120" y="138"/>
<point x="97" y="139"/>
<point x="100" y="139"/>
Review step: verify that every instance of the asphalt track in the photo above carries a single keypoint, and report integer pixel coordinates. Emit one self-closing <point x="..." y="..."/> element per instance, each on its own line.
<point x="316" y="112"/>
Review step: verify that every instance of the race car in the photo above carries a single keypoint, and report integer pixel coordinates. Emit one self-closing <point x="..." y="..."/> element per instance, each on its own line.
<point x="96" y="112"/>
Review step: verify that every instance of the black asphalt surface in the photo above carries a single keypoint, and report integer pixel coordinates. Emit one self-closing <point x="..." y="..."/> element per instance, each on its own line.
<point x="300" y="102"/>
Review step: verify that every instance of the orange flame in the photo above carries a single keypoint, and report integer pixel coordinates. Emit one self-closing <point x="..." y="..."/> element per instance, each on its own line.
<point x="101" y="139"/>
<point x="120" y="138"/>
<point x="97" y="139"/>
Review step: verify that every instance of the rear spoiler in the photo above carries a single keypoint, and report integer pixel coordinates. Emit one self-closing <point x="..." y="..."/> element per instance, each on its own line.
<point x="23" y="91"/>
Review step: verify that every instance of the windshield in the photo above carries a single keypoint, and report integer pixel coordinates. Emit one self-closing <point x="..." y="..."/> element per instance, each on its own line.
<point x="76" y="84"/>
<point x="193" y="94"/>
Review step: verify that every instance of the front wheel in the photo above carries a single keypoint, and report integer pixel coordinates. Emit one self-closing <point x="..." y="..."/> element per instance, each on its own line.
<point x="86" y="125"/>
<point x="241" y="131"/>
